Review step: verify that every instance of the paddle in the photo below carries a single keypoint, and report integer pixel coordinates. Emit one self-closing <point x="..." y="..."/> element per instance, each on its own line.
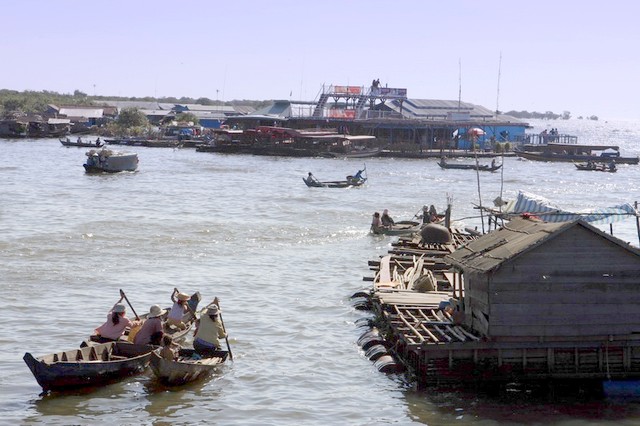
<point x="217" y="303"/>
<point x="129" y="303"/>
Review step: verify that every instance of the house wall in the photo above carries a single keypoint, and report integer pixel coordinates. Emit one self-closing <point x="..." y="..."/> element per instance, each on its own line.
<point x="576" y="284"/>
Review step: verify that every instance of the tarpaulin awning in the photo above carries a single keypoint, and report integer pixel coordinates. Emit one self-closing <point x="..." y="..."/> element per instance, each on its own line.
<point x="542" y="208"/>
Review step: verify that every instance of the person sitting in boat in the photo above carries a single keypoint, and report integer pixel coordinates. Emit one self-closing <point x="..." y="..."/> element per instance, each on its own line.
<point x="312" y="178"/>
<point x="612" y="165"/>
<point x="376" y="223"/>
<point x="79" y="139"/>
<point x="357" y="178"/>
<point x="178" y="311"/>
<point x="387" y="221"/>
<point x="98" y="142"/>
<point x="590" y="164"/>
<point x="209" y="331"/>
<point x="151" y="332"/>
<point x="169" y="350"/>
<point x="117" y="322"/>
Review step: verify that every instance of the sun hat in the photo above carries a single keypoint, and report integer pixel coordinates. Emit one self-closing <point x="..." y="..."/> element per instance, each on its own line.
<point x="156" y="311"/>
<point x="183" y="296"/>
<point x="213" y="310"/>
<point x="119" y="308"/>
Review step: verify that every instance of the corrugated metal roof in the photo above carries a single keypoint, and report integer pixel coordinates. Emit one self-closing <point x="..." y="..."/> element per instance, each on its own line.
<point x="420" y="108"/>
<point x="515" y="238"/>
<point x="81" y="112"/>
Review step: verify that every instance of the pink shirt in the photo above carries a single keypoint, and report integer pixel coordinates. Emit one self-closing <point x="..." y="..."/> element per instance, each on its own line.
<point x="112" y="331"/>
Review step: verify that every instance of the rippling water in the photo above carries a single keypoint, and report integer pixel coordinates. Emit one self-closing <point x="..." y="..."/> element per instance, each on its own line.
<point x="283" y="259"/>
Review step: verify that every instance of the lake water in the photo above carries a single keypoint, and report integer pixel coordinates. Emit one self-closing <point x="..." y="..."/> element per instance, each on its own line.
<point x="284" y="260"/>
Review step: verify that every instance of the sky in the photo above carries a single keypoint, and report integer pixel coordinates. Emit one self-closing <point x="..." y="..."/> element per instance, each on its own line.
<point x="581" y="57"/>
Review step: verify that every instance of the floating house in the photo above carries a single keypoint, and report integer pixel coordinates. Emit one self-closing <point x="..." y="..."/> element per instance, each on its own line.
<point x="549" y="301"/>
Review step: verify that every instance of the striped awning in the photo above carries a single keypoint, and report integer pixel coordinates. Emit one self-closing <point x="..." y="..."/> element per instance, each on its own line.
<point x="542" y="208"/>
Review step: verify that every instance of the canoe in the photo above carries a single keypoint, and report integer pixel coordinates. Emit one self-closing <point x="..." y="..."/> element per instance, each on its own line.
<point x="89" y="144"/>
<point x="480" y="167"/>
<point x="89" y="366"/>
<point x="405" y="227"/>
<point x="187" y="368"/>
<point x="334" y="184"/>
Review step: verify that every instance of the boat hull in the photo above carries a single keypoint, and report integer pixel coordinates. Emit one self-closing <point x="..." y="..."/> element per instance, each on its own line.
<point x="541" y="156"/>
<point x="89" y="366"/>
<point x="113" y="163"/>
<point x="185" y="369"/>
<point x="333" y="184"/>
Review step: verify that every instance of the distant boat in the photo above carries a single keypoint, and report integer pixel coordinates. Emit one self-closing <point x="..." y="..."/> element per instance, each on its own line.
<point x="82" y="144"/>
<point x="483" y="168"/>
<point x="351" y="181"/>
<point x="596" y="167"/>
<point x="106" y="160"/>
<point x="568" y="152"/>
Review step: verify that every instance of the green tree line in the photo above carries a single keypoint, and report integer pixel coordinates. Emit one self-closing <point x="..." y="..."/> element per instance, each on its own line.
<point x="36" y="102"/>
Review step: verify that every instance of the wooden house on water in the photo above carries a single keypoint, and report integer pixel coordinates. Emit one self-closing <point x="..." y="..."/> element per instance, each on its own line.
<point x="548" y="300"/>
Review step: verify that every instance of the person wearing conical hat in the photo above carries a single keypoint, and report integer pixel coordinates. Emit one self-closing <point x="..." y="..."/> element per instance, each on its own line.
<point x="209" y="331"/>
<point x="117" y="322"/>
<point x="151" y="332"/>
<point x="179" y="310"/>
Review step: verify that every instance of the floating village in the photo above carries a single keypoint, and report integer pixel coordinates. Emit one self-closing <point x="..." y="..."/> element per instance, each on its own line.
<point x="540" y="295"/>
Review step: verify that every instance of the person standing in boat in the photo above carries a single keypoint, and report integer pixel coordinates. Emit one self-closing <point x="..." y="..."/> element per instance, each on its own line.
<point x="387" y="221"/>
<point x="178" y="311"/>
<point x="117" y="322"/>
<point x="152" y="331"/>
<point x="209" y="331"/>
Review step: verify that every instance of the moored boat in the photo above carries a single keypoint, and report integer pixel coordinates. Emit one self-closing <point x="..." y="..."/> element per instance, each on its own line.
<point x="91" y="365"/>
<point x="106" y="160"/>
<point x="187" y="367"/>
<point x="558" y="152"/>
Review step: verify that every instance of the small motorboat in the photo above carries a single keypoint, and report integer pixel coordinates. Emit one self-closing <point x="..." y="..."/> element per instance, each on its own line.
<point x="106" y="160"/>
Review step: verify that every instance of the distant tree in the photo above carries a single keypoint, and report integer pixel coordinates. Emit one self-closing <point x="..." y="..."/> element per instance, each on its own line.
<point x="14" y="104"/>
<point x="131" y="117"/>
<point x="204" y="101"/>
<point x="566" y="115"/>
<point x="186" y="117"/>
<point x="78" y="94"/>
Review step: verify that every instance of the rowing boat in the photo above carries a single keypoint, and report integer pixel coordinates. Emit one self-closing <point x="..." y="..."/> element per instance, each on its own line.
<point x="89" y="366"/>
<point x="188" y="367"/>
<point x="313" y="183"/>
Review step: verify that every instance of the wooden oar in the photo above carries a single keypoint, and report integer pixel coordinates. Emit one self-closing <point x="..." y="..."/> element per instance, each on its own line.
<point x="129" y="303"/>
<point x="217" y="303"/>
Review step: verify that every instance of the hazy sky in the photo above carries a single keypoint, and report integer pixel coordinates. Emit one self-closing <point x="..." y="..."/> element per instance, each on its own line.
<point x="577" y="56"/>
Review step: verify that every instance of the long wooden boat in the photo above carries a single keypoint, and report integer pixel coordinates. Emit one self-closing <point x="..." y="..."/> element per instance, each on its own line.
<point x="312" y="183"/>
<point x="89" y="366"/>
<point x="574" y="153"/>
<point x="69" y="142"/>
<point x="480" y="167"/>
<point x="403" y="227"/>
<point x="188" y="367"/>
